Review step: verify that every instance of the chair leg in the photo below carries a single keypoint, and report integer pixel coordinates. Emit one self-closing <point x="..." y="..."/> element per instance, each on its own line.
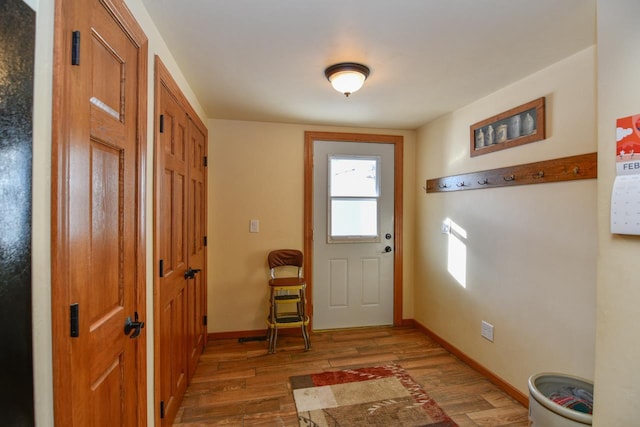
<point x="269" y="338"/>
<point x="273" y="340"/>
<point x="307" y="340"/>
<point x="271" y="334"/>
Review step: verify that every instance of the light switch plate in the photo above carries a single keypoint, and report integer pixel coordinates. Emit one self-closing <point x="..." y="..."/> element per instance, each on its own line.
<point x="254" y="227"/>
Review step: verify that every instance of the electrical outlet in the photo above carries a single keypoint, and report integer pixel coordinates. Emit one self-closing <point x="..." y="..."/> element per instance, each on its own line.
<point x="487" y="330"/>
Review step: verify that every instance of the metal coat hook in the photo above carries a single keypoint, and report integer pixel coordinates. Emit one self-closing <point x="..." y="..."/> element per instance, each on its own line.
<point x="576" y="170"/>
<point x="511" y="177"/>
<point x="539" y="174"/>
<point x="443" y="186"/>
<point x="461" y="184"/>
<point x="484" y="182"/>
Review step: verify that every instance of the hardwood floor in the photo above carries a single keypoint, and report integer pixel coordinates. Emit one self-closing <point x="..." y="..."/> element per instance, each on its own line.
<point x="239" y="384"/>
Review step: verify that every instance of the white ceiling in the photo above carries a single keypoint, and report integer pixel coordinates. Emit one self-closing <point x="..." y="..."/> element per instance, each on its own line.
<point x="264" y="60"/>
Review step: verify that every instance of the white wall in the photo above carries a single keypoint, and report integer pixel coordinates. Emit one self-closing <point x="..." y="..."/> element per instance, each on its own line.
<point x="256" y="171"/>
<point x="617" y="377"/>
<point x="531" y="250"/>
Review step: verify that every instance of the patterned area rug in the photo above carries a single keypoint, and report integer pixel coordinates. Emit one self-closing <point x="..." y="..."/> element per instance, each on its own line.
<point x="379" y="396"/>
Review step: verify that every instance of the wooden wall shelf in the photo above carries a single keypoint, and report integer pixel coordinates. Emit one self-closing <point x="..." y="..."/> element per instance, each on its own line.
<point x="584" y="166"/>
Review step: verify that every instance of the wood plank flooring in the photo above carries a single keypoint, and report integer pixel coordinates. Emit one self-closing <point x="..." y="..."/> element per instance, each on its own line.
<point x="239" y="384"/>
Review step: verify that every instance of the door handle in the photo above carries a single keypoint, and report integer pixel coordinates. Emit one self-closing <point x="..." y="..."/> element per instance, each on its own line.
<point x="387" y="249"/>
<point x="134" y="326"/>
<point x="191" y="273"/>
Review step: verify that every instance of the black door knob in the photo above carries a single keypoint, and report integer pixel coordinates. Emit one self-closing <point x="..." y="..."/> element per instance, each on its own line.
<point x="134" y="326"/>
<point x="387" y="249"/>
<point x="191" y="273"/>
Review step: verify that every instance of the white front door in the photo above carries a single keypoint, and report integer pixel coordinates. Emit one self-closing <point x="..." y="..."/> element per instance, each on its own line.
<point x="353" y="234"/>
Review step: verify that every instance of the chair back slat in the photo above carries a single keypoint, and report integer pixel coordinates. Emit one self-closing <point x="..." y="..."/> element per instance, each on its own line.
<point x="285" y="257"/>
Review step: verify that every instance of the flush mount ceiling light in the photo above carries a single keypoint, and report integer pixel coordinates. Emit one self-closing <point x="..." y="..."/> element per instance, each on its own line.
<point x="347" y="77"/>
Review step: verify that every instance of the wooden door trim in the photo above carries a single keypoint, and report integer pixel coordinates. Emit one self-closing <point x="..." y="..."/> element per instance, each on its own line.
<point x="309" y="138"/>
<point x="67" y="13"/>
<point x="163" y="77"/>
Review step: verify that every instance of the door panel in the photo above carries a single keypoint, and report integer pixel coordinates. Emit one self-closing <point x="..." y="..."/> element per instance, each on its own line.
<point x="106" y="217"/>
<point x="372" y="290"/>
<point x="108" y="388"/>
<point x="338" y="282"/>
<point x="98" y="245"/>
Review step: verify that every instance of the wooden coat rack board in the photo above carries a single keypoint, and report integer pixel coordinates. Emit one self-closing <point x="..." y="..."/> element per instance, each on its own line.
<point x="584" y="166"/>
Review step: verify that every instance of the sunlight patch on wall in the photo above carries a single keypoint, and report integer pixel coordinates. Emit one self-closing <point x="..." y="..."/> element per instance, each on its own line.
<point x="457" y="253"/>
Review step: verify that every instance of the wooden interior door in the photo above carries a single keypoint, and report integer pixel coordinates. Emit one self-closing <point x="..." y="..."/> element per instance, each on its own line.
<point x="180" y="244"/>
<point x="171" y="199"/>
<point x="197" y="219"/>
<point x="98" y="279"/>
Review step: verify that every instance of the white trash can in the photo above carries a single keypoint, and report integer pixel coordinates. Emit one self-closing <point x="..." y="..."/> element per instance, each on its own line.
<point x="545" y="412"/>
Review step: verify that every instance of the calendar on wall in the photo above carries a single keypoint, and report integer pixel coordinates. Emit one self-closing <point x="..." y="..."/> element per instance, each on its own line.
<point x="625" y="197"/>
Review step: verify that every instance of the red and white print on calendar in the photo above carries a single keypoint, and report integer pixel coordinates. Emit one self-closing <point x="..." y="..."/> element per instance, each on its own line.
<point x="628" y="145"/>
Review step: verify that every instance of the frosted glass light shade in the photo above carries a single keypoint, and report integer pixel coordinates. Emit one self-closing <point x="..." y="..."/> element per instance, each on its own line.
<point x="347" y="77"/>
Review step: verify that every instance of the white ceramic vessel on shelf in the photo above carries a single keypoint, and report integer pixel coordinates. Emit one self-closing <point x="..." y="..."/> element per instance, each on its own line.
<point x="527" y="125"/>
<point x="488" y="139"/>
<point x="479" y="138"/>
<point x="501" y="134"/>
<point x="514" y="127"/>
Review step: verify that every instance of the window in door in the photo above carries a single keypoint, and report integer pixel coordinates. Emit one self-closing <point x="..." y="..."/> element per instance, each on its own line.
<point x="354" y="192"/>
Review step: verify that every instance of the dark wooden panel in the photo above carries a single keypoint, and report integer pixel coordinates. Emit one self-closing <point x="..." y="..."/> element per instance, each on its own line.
<point x="583" y="166"/>
<point x="17" y="41"/>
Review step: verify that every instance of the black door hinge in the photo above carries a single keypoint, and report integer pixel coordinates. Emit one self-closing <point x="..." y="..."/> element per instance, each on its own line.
<point x="74" y="328"/>
<point x="205" y="240"/>
<point x="204" y="320"/>
<point x="205" y="161"/>
<point x="161" y="409"/>
<point x="75" y="48"/>
<point x="161" y="123"/>
<point x="161" y="268"/>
